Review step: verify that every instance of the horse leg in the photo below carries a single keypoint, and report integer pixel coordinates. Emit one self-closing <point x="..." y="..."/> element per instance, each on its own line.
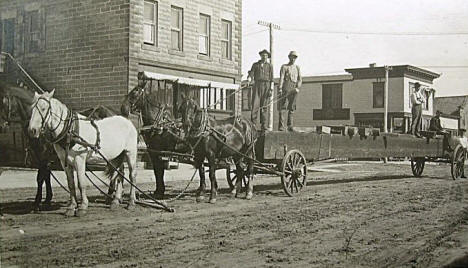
<point x="131" y="161"/>
<point x="240" y="174"/>
<point x="49" y="193"/>
<point x="80" y="167"/>
<point x="212" y="174"/>
<point x="70" y="211"/>
<point x="40" y="181"/>
<point x="111" y="190"/>
<point x="250" y="178"/>
<point x="158" y="168"/>
<point x="202" y="187"/>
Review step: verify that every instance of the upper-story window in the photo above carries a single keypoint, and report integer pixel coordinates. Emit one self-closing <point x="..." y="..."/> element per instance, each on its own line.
<point x="204" y="35"/>
<point x="226" y="39"/>
<point x="332" y="96"/>
<point x="34" y="25"/>
<point x="150" y="23"/>
<point x="7" y="36"/>
<point x="177" y="20"/>
<point x="378" y="96"/>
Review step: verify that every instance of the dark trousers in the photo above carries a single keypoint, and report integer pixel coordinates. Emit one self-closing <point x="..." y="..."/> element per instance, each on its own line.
<point x="416" y="113"/>
<point x="260" y="95"/>
<point x="287" y="101"/>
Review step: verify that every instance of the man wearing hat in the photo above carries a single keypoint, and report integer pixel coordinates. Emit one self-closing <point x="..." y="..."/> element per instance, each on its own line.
<point x="435" y="124"/>
<point x="289" y="84"/>
<point x="261" y="75"/>
<point x="417" y="101"/>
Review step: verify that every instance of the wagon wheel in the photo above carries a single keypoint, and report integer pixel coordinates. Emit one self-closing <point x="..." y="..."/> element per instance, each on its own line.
<point x="232" y="179"/>
<point x="458" y="161"/>
<point x="294" y="168"/>
<point x="417" y="165"/>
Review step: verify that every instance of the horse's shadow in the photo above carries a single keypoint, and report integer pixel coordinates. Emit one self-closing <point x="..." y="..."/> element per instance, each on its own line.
<point x="27" y="207"/>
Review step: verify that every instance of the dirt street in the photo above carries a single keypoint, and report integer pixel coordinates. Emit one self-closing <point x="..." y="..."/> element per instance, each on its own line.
<point x="356" y="215"/>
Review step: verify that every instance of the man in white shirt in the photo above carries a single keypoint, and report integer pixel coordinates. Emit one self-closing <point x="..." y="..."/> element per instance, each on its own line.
<point x="417" y="101"/>
<point x="289" y="84"/>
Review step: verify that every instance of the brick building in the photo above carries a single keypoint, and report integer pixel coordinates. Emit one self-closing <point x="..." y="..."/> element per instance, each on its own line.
<point x="90" y="51"/>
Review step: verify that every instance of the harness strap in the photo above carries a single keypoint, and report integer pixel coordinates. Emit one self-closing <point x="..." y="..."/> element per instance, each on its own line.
<point x="98" y="135"/>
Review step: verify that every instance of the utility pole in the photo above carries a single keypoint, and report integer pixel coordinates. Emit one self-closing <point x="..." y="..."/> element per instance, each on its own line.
<point x="387" y="69"/>
<point x="271" y="26"/>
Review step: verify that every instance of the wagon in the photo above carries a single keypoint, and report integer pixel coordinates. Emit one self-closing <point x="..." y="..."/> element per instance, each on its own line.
<point x="287" y="154"/>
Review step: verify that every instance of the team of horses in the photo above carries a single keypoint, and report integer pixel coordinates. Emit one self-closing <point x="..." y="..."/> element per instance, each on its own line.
<point x="52" y="127"/>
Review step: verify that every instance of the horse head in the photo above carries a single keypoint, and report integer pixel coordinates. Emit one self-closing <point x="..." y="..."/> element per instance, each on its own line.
<point x="41" y="114"/>
<point x="15" y="104"/>
<point x="188" y="113"/>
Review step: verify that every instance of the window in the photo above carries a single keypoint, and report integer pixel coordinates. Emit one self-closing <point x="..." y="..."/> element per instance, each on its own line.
<point x="204" y="35"/>
<point x="247" y="99"/>
<point x="378" y="95"/>
<point x="217" y="98"/>
<point x="8" y="36"/>
<point x="34" y="31"/>
<point x="332" y="96"/>
<point x="176" y="28"/>
<point x="150" y="26"/>
<point x="226" y="39"/>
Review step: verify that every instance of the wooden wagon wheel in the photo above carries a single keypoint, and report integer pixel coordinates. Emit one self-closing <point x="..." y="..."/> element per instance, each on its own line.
<point x="458" y="162"/>
<point x="294" y="169"/>
<point x="232" y="179"/>
<point x="417" y="165"/>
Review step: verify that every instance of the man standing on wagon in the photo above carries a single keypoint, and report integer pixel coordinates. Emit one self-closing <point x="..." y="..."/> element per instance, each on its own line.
<point x="417" y="100"/>
<point x="261" y="75"/>
<point x="289" y="84"/>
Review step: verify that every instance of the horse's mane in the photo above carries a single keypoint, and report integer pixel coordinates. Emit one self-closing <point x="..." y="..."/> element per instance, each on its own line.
<point x="24" y="95"/>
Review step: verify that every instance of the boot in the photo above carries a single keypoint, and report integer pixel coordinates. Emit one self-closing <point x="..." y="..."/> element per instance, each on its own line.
<point x="290" y="120"/>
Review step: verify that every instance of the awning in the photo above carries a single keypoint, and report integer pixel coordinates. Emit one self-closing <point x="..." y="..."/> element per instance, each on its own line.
<point x="188" y="81"/>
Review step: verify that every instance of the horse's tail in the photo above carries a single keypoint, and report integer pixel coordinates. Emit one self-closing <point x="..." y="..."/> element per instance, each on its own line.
<point x="118" y="163"/>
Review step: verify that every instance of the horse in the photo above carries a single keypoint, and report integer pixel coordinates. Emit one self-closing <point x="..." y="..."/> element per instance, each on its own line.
<point x="15" y="108"/>
<point x="76" y="138"/>
<point x="213" y="139"/>
<point x="160" y="130"/>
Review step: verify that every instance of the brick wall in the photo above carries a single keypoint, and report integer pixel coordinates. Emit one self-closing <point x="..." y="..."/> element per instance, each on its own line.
<point x="84" y="55"/>
<point x="187" y="63"/>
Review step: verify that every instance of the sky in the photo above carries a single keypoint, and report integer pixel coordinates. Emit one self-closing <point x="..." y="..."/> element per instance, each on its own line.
<point x="331" y="35"/>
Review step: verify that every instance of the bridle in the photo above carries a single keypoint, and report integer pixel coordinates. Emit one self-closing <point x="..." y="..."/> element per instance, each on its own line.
<point x="47" y="116"/>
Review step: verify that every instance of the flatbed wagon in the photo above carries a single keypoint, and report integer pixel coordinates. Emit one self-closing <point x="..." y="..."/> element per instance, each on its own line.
<point x="287" y="154"/>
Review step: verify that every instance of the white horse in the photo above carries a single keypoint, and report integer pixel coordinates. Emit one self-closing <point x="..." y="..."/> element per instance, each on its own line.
<point x="73" y="137"/>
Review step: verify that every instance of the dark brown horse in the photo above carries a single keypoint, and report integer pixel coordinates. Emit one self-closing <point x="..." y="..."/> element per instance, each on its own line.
<point x="213" y="140"/>
<point x="160" y="131"/>
<point x="15" y="107"/>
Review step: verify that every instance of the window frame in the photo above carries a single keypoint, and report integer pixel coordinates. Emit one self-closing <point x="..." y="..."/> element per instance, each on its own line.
<point x="223" y="40"/>
<point x="206" y="36"/>
<point x="153" y="23"/>
<point x="374" y="96"/>
<point x="179" y="30"/>
<point x="34" y="36"/>
<point x="330" y="90"/>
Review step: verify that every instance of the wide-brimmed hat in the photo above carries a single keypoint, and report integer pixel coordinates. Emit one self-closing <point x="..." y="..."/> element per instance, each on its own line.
<point x="293" y="54"/>
<point x="263" y="52"/>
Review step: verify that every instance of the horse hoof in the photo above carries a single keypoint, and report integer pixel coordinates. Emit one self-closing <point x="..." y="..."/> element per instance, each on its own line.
<point x="158" y="196"/>
<point x="212" y="200"/>
<point x="249" y="196"/>
<point x="131" y="206"/>
<point x="69" y="212"/>
<point x="200" y="198"/>
<point x="81" y="212"/>
<point x="114" y="205"/>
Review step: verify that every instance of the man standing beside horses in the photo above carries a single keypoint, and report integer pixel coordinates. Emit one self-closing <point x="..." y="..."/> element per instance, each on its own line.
<point x="261" y="75"/>
<point x="289" y="84"/>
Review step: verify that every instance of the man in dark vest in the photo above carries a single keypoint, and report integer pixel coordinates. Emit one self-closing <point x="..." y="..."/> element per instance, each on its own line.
<point x="261" y="75"/>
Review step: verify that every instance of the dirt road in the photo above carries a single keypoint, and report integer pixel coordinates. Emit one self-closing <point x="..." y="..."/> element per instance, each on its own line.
<point x="366" y="215"/>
